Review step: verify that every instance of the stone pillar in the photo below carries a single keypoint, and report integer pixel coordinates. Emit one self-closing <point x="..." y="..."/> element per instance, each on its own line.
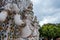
<point x="17" y="21"/>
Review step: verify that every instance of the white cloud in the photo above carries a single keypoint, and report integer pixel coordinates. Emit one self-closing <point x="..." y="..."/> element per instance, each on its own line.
<point x="48" y="19"/>
<point x="46" y="12"/>
<point x="36" y="1"/>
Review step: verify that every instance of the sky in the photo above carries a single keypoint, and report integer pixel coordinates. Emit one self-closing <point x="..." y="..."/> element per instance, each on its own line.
<point x="47" y="11"/>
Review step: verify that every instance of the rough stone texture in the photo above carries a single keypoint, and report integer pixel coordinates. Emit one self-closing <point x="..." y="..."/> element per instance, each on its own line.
<point x="17" y="20"/>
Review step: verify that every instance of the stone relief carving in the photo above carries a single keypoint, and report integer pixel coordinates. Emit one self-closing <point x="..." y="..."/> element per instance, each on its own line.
<point x="17" y="20"/>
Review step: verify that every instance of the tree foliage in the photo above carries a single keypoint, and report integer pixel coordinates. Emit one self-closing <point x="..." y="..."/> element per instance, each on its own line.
<point x="50" y="30"/>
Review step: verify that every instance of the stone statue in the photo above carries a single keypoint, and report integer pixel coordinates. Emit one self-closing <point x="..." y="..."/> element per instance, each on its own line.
<point x="17" y="20"/>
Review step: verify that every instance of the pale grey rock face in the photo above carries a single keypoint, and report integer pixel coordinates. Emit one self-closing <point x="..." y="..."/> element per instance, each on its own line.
<point x="3" y="15"/>
<point x="17" y="20"/>
<point x="21" y="4"/>
<point x="26" y="31"/>
<point x="12" y="7"/>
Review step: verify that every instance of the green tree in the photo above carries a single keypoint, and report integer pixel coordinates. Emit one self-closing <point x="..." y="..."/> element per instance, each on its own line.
<point x="58" y="25"/>
<point x="48" y="30"/>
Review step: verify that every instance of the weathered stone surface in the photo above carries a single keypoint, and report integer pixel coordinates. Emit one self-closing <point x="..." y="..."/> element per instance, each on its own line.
<point x="17" y="20"/>
<point x="12" y="7"/>
<point x="26" y="31"/>
<point x="3" y="15"/>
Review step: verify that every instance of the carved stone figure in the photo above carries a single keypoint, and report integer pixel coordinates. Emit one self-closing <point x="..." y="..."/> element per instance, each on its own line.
<point x="17" y="20"/>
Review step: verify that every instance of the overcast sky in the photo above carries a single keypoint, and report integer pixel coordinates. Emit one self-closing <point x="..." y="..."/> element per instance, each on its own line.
<point x="47" y="11"/>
